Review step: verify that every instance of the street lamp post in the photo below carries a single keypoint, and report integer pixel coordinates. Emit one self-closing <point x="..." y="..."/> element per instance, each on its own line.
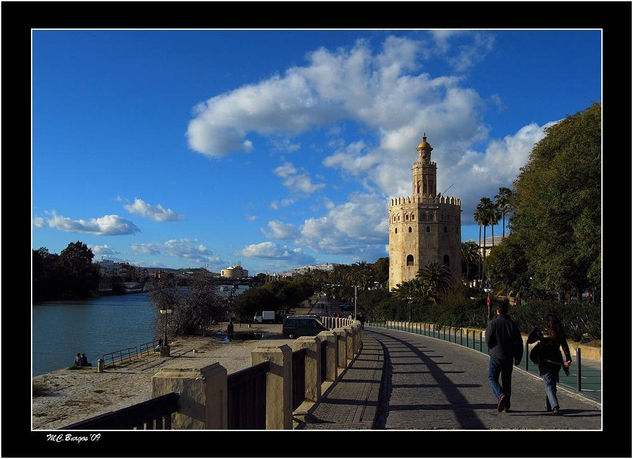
<point x="355" y="302"/>
<point x="164" y="349"/>
<point x="410" y="298"/>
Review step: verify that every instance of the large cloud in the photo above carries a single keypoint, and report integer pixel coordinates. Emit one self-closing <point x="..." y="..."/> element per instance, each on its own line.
<point x="108" y="225"/>
<point x="386" y="95"/>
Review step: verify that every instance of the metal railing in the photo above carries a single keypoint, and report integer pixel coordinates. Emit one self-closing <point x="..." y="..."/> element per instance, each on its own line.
<point x="129" y="353"/>
<point x="474" y="339"/>
<point x="154" y="414"/>
<point x="247" y="397"/>
<point x="298" y="378"/>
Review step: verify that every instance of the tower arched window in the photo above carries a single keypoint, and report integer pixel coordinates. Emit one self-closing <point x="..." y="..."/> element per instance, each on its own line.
<point x="410" y="229"/>
<point x="409" y="260"/>
<point x="406" y="217"/>
<point x="447" y="260"/>
<point x="396" y="230"/>
<point x="446" y="229"/>
<point x="428" y="229"/>
<point x="412" y="216"/>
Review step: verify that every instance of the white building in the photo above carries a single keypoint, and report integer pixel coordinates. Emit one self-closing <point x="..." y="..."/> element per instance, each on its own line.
<point x="234" y="272"/>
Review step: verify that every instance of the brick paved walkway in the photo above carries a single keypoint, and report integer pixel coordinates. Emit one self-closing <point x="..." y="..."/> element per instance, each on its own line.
<point x="404" y="381"/>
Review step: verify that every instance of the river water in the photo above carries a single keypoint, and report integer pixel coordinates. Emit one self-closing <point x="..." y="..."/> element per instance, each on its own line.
<point x="93" y="326"/>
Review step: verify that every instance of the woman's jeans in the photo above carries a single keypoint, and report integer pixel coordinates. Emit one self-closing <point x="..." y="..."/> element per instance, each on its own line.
<point x="549" y="379"/>
<point x="503" y="367"/>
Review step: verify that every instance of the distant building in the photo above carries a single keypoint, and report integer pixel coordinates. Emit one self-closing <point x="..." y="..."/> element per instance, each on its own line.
<point x="234" y="272"/>
<point x="489" y="244"/>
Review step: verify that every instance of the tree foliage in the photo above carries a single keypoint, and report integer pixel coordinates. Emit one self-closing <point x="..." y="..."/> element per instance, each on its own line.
<point x="557" y="206"/>
<point x="71" y="274"/>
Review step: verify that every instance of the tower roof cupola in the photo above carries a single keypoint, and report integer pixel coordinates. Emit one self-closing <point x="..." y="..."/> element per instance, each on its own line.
<point x="424" y="149"/>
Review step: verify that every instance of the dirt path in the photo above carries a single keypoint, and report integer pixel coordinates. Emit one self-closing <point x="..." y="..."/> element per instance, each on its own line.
<point x="67" y="396"/>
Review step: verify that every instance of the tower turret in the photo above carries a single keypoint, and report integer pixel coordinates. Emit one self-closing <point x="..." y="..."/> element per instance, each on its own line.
<point x="424" y="171"/>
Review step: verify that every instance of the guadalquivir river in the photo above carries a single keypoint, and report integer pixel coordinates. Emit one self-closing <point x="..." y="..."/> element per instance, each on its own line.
<point x="93" y="326"/>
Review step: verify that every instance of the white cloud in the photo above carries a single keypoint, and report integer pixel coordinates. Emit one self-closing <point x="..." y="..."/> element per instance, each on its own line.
<point x="157" y="213"/>
<point x="358" y="228"/>
<point x="296" y="182"/>
<point x="103" y="250"/>
<point x="280" y="230"/>
<point x="108" y="225"/>
<point x="481" y="174"/>
<point x="272" y="251"/>
<point x="188" y="249"/>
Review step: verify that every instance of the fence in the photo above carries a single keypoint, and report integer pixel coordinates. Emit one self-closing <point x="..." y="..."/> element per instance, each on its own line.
<point x="128" y="353"/>
<point x="154" y="414"/>
<point x="298" y="378"/>
<point x="261" y="396"/>
<point x="247" y="397"/>
<point x="585" y="380"/>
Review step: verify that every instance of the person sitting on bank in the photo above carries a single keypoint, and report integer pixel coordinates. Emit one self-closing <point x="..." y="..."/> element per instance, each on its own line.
<point x="78" y="360"/>
<point x="84" y="361"/>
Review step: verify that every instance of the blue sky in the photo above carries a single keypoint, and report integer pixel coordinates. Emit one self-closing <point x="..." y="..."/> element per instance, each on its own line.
<point x="277" y="149"/>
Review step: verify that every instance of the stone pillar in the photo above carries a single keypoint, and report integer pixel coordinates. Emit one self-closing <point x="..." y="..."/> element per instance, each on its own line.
<point x="331" y="353"/>
<point x="350" y="342"/>
<point x="203" y="395"/>
<point x="341" y="346"/>
<point x="278" y="384"/>
<point x="312" y="345"/>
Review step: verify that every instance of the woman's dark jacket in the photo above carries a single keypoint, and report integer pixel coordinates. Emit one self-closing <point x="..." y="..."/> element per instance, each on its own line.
<point x="550" y="358"/>
<point x="503" y="338"/>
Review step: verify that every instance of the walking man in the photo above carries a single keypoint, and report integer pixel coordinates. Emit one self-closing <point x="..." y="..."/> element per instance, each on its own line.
<point x="505" y="347"/>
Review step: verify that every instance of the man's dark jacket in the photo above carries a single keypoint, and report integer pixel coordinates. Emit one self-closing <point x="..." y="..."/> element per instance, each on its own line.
<point x="504" y="339"/>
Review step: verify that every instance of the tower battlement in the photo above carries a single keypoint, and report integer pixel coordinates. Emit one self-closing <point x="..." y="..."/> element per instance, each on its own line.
<point x="424" y="200"/>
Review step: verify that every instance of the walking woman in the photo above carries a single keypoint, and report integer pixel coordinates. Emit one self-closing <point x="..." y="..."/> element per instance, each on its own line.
<point x="549" y="358"/>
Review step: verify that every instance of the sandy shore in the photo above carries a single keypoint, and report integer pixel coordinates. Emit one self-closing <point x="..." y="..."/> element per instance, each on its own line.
<point x="67" y="396"/>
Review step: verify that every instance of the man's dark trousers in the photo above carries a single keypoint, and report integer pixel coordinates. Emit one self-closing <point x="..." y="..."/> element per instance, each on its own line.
<point x="501" y="367"/>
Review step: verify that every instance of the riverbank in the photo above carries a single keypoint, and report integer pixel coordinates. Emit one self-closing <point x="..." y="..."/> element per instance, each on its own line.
<point x="66" y="396"/>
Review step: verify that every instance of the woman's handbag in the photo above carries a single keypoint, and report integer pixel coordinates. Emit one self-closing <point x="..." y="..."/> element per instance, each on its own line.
<point x="535" y="353"/>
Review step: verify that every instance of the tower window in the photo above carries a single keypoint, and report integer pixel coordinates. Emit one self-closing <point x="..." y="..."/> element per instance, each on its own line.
<point x="428" y="229"/>
<point x="410" y="229"/>
<point x="396" y="230"/>
<point x="446" y="229"/>
<point x="406" y="217"/>
<point x="412" y="216"/>
<point x="446" y="260"/>
<point x="409" y="260"/>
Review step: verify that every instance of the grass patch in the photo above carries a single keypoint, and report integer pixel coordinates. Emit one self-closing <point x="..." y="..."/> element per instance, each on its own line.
<point x="39" y="415"/>
<point x="98" y="391"/>
<point x="39" y="388"/>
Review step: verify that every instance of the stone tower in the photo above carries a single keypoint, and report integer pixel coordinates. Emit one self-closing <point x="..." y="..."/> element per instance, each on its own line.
<point x="424" y="228"/>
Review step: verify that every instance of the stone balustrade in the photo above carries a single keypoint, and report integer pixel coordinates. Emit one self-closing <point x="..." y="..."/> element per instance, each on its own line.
<point x="204" y="392"/>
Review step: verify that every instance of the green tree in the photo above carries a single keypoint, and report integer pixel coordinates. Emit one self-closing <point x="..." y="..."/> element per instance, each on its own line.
<point x="80" y="276"/>
<point x="557" y="206"/>
<point x="470" y="257"/>
<point x="437" y="278"/>
<point x="503" y="201"/>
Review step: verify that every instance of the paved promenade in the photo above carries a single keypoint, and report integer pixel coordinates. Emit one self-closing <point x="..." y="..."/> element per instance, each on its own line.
<point x="405" y="381"/>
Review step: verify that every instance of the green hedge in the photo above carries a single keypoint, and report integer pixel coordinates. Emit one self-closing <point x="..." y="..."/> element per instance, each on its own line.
<point x="580" y="320"/>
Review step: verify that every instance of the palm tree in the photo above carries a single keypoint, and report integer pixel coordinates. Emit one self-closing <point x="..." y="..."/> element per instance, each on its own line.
<point x="486" y="209"/>
<point x="502" y="201"/>
<point x="437" y="277"/>
<point x="495" y="215"/>
<point x="479" y="218"/>
<point x="414" y="290"/>
<point x="470" y="254"/>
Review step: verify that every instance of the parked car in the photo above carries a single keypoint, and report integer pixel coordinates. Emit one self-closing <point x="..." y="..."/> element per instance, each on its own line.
<point x="264" y="316"/>
<point x="295" y="326"/>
